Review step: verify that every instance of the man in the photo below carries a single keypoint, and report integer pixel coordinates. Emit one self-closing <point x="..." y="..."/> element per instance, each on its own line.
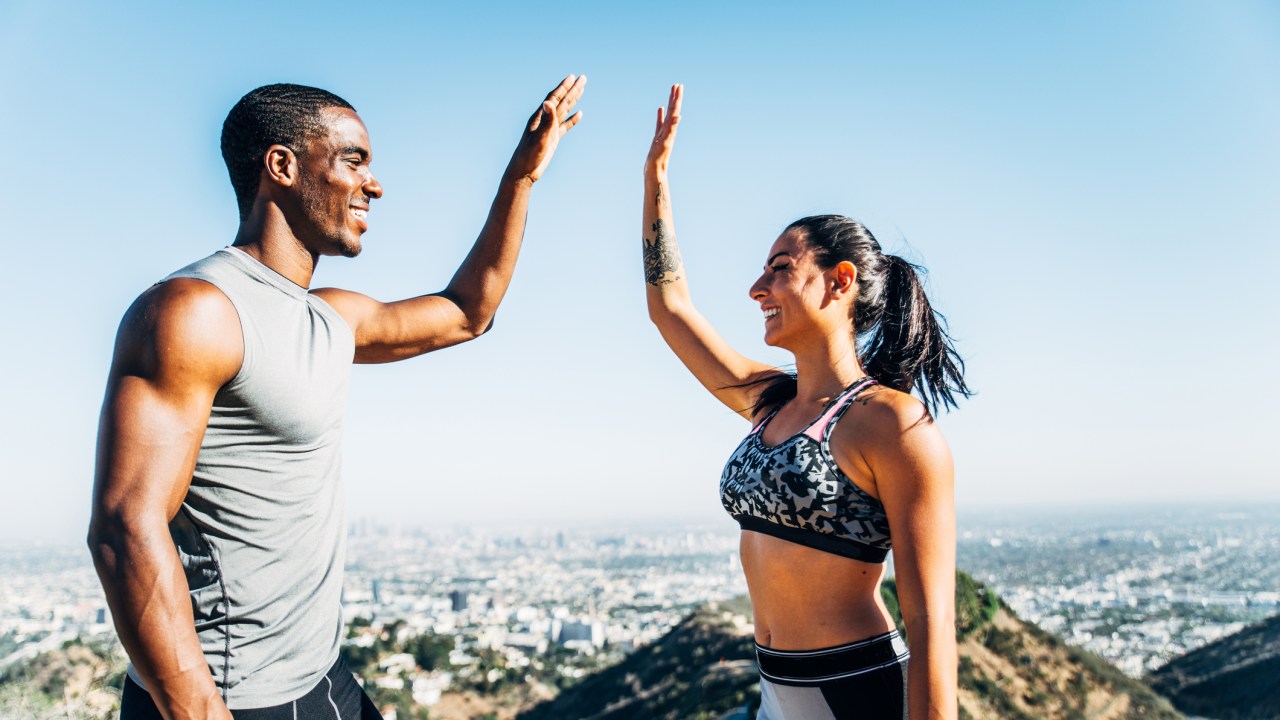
<point x="217" y="526"/>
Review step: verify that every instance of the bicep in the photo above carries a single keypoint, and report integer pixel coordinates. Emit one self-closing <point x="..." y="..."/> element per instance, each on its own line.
<point x="729" y="375"/>
<point x="386" y="332"/>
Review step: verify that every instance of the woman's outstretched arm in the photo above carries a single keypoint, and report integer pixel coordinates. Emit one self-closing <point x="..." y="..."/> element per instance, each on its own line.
<point x="720" y="368"/>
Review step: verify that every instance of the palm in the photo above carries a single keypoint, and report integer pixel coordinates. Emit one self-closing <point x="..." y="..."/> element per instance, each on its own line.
<point x="548" y="123"/>
<point x="664" y="134"/>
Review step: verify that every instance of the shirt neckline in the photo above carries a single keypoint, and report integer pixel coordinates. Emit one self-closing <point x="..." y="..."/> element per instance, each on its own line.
<point x="264" y="273"/>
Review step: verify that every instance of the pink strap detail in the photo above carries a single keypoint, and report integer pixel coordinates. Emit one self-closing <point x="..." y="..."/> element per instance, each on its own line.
<point x="819" y="426"/>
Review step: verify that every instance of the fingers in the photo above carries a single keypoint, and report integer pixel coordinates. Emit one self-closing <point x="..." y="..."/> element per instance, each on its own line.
<point x="557" y="94"/>
<point x="673" y="100"/>
<point x="566" y="94"/>
<point x="571" y="97"/>
<point x="559" y="104"/>
<point x="568" y="124"/>
<point x="668" y="119"/>
<point x="546" y="109"/>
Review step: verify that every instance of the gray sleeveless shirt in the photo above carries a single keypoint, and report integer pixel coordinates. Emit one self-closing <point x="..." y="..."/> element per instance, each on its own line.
<point x="261" y="533"/>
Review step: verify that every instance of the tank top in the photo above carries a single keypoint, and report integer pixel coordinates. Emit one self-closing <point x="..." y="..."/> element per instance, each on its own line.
<point x="261" y="532"/>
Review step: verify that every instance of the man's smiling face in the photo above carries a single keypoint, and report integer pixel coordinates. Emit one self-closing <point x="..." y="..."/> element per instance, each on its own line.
<point x="336" y="185"/>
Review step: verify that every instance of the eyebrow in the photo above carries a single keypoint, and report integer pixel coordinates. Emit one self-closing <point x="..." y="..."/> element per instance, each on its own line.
<point x="775" y="256"/>
<point x="353" y="150"/>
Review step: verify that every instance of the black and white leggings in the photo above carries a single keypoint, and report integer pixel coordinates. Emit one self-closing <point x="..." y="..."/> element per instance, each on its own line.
<point x="866" y="680"/>
<point x="336" y="696"/>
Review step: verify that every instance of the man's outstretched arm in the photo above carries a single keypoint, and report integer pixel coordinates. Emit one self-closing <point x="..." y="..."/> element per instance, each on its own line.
<point x="177" y="345"/>
<point x="464" y="310"/>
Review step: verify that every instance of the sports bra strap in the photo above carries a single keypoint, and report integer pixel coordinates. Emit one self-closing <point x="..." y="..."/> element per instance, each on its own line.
<point x="821" y="428"/>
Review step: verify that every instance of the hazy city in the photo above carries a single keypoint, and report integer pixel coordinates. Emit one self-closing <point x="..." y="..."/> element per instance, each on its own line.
<point x="1135" y="586"/>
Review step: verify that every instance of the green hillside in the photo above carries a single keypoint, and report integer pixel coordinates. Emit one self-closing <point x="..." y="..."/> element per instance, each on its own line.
<point x="1009" y="670"/>
<point x="78" y="681"/>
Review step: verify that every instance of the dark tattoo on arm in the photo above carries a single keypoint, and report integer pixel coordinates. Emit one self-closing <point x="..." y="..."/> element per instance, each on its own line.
<point x="661" y="257"/>
<point x="661" y="199"/>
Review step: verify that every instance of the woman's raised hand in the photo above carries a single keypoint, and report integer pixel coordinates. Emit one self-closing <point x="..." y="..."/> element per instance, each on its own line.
<point x="664" y="135"/>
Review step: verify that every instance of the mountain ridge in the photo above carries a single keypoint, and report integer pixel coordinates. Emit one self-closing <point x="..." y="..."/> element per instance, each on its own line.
<point x="1233" y="678"/>
<point x="704" y="669"/>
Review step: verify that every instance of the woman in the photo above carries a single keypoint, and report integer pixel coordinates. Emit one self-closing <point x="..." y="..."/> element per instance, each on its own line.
<point x="842" y="464"/>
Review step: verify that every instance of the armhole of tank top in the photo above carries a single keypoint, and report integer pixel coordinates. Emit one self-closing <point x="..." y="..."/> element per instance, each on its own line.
<point x="335" y="316"/>
<point x="246" y="356"/>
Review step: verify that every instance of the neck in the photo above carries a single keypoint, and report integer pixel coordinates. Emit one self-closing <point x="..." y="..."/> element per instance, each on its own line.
<point x="827" y="367"/>
<point x="267" y="237"/>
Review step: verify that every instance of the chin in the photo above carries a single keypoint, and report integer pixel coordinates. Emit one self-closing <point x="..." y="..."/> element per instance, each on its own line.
<point x="779" y="341"/>
<point x="346" y="246"/>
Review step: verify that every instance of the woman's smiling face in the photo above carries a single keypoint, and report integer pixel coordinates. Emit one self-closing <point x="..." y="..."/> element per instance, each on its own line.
<point x="797" y="296"/>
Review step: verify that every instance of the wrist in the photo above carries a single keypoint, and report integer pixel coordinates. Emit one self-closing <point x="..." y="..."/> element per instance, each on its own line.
<point x="516" y="182"/>
<point x="655" y="173"/>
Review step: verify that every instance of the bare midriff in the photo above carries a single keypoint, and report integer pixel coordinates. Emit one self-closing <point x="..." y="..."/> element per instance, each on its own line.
<point x="806" y="599"/>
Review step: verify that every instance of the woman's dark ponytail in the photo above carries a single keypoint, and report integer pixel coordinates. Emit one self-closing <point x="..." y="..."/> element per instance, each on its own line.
<point x="909" y="347"/>
<point x="902" y="341"/>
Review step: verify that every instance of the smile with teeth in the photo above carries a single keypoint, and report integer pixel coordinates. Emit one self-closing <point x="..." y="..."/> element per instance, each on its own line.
<point x="361" y="213"/>
<point x="770" y="312"/>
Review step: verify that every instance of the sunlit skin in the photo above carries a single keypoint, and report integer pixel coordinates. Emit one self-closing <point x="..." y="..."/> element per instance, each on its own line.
<point x="181" y="341"/>
<point x="886" y="444"/>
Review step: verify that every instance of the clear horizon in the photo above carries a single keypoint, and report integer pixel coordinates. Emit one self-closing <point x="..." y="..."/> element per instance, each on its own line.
<point x="714" y="522"/>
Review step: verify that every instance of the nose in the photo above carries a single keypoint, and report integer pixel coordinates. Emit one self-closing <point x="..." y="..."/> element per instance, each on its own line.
<point x="371" y="187"/>
<point x="758" y="291"/>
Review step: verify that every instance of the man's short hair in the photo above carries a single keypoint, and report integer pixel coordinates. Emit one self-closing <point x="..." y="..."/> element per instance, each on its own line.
<point x="280" y="114"/>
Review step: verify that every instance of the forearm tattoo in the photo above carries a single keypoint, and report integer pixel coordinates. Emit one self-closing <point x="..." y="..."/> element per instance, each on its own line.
<point x="661" y="257"/>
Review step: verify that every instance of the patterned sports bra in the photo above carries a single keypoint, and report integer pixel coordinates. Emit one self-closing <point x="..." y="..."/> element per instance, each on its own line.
<point x="795" y="491"/>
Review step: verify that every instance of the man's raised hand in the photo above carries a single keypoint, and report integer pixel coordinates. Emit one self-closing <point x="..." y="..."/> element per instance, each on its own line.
<point x="542" y="134"/>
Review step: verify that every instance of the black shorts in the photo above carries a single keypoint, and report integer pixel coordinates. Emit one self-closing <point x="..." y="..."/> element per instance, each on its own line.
<point x="337" y="696"/>
<point x="866" y="680"/>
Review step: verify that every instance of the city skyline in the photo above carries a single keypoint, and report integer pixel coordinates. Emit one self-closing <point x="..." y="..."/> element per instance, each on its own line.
<point x="1091" y="188"/>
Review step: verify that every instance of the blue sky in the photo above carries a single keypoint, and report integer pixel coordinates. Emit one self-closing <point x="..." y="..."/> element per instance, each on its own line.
<point x="1092" y="186"/>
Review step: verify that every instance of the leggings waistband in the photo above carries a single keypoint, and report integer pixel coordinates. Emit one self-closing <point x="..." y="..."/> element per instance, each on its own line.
<point x="811" y="667"/>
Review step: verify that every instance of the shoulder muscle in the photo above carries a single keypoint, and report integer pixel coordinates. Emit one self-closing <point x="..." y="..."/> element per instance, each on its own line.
<point x="184" y="331"/>
<point x="890" y="434"/>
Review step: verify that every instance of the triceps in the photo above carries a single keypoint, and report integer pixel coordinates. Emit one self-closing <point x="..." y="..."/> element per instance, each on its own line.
<point x="662" y="262"/>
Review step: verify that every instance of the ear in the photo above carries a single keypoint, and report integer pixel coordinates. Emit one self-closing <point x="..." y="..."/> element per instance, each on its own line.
<point x="844" y="279"/>
<point x="281" y="165"/>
